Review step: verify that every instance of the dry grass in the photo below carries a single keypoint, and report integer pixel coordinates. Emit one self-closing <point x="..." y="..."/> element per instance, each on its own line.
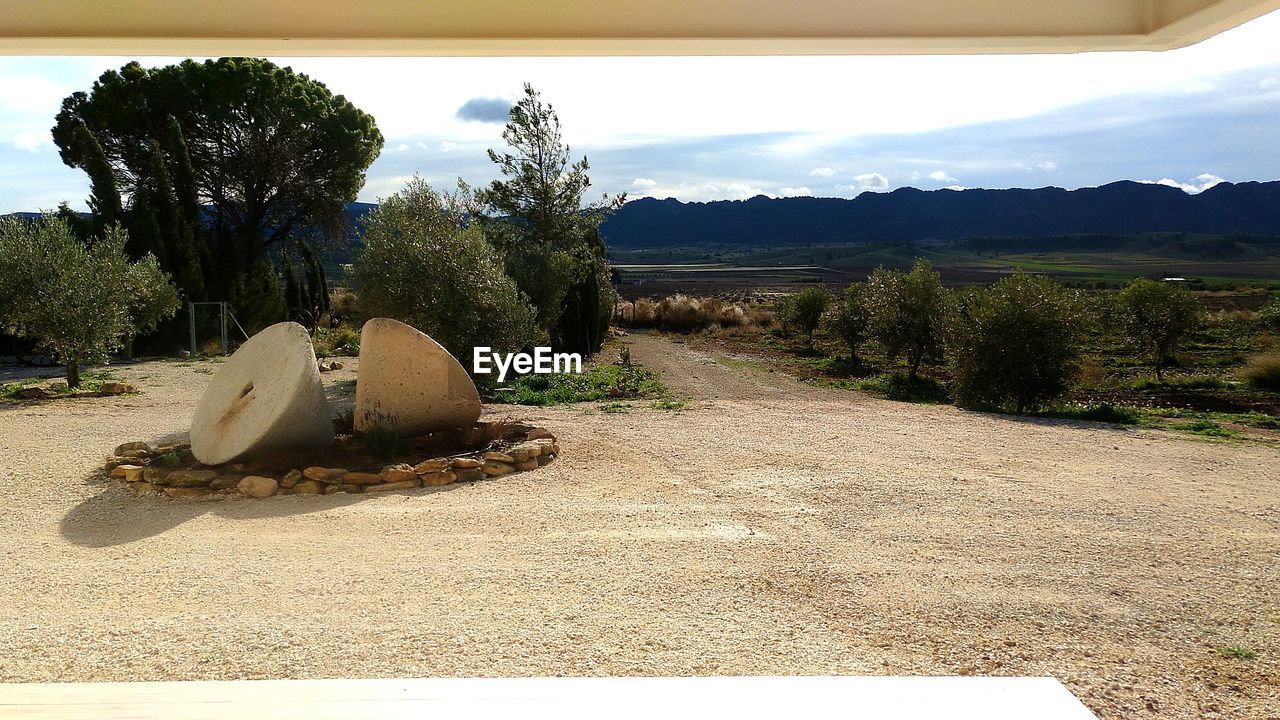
<point x="1264" y="371"/>
<point x="685" y="314"/>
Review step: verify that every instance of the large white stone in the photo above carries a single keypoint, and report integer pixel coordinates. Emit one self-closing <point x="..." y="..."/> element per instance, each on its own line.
<point x="266" y="396"/>
<point x="410" y="382"/>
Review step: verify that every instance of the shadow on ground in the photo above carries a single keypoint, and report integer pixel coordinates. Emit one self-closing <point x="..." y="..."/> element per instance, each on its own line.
<point x="118" y="515"/>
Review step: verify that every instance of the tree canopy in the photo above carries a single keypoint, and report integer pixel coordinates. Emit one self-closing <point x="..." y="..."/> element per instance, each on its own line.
<point x="255" y="152"/>
<point x="79" y="301"/>
<point x="537" y="218"/>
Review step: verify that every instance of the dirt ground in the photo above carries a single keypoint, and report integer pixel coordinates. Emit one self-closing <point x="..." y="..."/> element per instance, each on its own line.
<point x="769" y="528"/>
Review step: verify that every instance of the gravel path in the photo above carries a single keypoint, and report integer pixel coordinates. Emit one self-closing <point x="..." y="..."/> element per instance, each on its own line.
<point x="770" y="528"/>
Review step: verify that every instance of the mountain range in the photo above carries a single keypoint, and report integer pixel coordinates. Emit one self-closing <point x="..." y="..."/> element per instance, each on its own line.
<point x="909" y="215"/>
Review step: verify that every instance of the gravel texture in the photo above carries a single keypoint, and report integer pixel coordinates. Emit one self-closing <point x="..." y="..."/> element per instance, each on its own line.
<point x="769" y="528"/>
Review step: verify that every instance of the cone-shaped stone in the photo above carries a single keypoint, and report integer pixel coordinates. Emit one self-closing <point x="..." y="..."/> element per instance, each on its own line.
<point x="266" y="396"/>
<point x="408" y="382"/>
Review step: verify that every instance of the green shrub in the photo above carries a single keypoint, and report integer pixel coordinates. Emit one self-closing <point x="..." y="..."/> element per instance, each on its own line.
<point x="1264" y="371"/>
<point x="1014" y="345"/>
<point x="848" y="322"/>
<point x="425" y="265"/>
<point x="1156" y="316"/>
<point x="1269" y="315"/>
<point x="803" y="311"/>
<point x="905" y="312"/>
<point x="383" y="442"/>
<point x="338" y="341"/>
<point x="597" y="383"/>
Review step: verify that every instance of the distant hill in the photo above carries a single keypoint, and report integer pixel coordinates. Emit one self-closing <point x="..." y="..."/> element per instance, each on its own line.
<point x="928" y="216"/>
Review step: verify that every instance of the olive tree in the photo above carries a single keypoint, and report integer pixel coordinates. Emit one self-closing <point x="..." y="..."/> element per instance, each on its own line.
<point x="1014" y="345"/>
<point x="79" y="301"/>
<point x="1156" y="316"/>
<point x="905" y="312"/>
<point x="426" y="264"/>
<point x="848" y="322"/>
<point x="803" y="311"/>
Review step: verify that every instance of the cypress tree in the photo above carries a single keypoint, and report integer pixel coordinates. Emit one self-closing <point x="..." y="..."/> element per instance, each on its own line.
<point x="104" y="193"/>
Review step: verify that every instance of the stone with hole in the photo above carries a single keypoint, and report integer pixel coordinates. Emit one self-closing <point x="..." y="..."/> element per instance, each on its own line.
<point x="410" y="383"/>
<point x="267" y="395"/>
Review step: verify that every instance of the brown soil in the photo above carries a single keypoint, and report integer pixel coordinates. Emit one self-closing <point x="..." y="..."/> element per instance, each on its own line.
<point x="770" y="528"/>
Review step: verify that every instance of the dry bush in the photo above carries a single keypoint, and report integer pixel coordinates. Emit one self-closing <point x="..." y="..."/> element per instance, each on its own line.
<point x="684" y="314"/>
<point x="760" y="314"/>
<point x="1264" y="371"/>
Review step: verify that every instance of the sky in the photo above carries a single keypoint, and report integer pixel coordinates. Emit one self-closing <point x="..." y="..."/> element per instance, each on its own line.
<point x="721" y="128"/>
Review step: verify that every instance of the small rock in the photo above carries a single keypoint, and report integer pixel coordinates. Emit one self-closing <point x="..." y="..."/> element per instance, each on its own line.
<point x="225" y="482"/>
<point x="189" y="478"/>
<point x="256" y="486"/>
<point x="184" y="354"/>
<point x="349" y="488"/>
<point x="470" y="475"/>
<point x="530" y="464"/>
<point x="236" y="467"/>
<point x="399" y="473"/>
<point x="116" y="388"/>
<point x="525" y="451"/>
<point x="406" y="485"/>
<point x="291" y="478"/>
<point x="331" y="489"/>
<point x="543" y="460"/>
<point x="464" y="463"/>
<point x="187" y="492"/>
<point x="310" y="487"/>
<point x="34" y="393"/>
<point x="134" y="449"/>
<point x="498" y="457"/>
<point x="434" y="465"/>
<point x="493" y="468"/>
<point x="439" y="478"/>
<point x="362" y="478"/>
<point x="335" y="365"/>
<point x="538" y="434"/>
<point x="324" y="475"/>
<point x="154" y="475"/>
<point x="122" y="471"/>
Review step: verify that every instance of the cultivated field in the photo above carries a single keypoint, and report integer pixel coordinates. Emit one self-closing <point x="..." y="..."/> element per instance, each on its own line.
<point x="768" y="528"/>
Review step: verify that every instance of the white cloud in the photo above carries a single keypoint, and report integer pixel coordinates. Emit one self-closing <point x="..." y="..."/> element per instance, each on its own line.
<point x="1269" y="83"/>
<point x="822" y="172"/>
<point x="707" y="191"/>
<point x="643" y="183"/>
<point x="941" y="176"/>
<point x="402" y="147"/>
<point x="794" y="191"/>
<point x="956" y="188"/>
<point x="867" y="181"/>
<point x="447" y="146"/>
<point x="32" y="141"/>
<point x="1198" y="184"/>
<point x="1047" y="165"/>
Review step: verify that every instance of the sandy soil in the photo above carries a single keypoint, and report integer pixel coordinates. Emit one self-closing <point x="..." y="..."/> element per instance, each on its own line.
<point x="770" y="528"/>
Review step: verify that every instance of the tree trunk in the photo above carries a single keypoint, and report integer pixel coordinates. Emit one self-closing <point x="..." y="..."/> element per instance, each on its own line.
<point x="73" y="375"/>
<point x="915" y="364"/>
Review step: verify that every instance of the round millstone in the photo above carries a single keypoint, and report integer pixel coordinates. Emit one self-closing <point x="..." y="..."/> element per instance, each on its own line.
<point x="267" y="395"/>
<point x="410" y="383"/>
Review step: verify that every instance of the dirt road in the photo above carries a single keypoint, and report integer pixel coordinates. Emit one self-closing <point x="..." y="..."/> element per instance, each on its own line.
<point x="769" y="528"/>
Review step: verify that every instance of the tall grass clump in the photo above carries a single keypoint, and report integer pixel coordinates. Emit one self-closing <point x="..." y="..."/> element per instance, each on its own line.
<point x="1263" y="371"/>
<point x="685" y="314"/>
